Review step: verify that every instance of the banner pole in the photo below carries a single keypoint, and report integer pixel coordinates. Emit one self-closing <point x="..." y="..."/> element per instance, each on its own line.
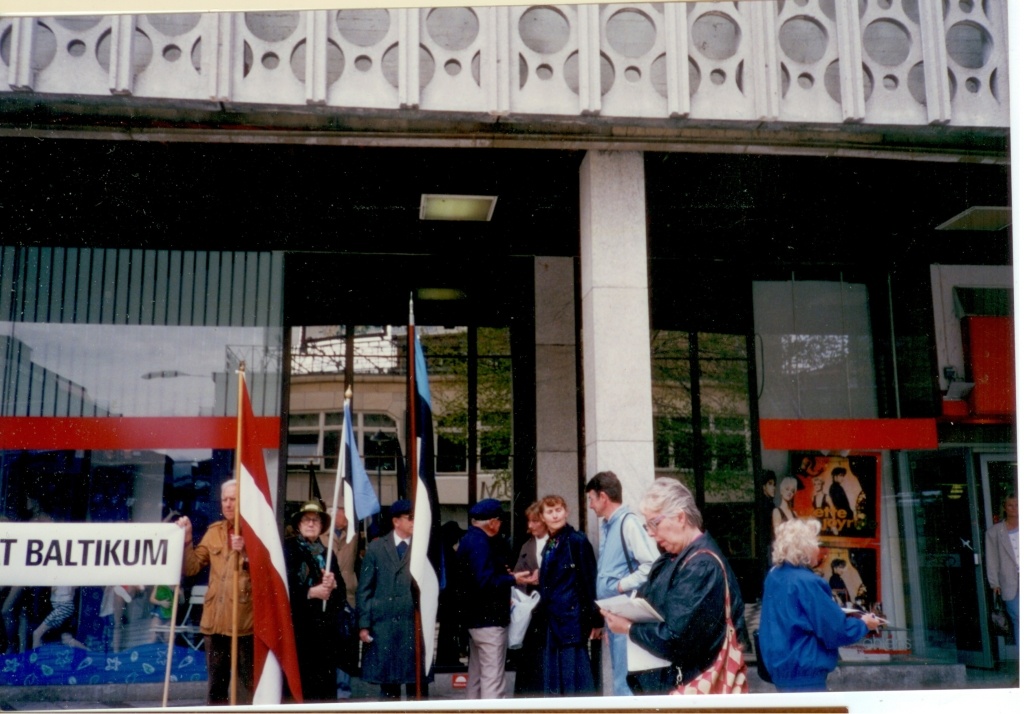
<point x="338" y="480"/>
<point x="414" y="467"/>
<point x="234" y="553"/>
<point x="170" y="642"/>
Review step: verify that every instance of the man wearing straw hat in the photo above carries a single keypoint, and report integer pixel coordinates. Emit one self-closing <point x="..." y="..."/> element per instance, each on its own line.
<point x="219" y="549"/>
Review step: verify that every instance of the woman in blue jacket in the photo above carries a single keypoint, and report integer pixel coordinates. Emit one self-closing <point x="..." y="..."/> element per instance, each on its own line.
<point x="568" y="575"/>
<point x="802" y="627"/>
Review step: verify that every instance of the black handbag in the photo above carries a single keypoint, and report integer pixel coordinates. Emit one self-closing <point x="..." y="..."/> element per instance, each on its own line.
<point x="998" y="617"/>
<point x="762" y="670"/>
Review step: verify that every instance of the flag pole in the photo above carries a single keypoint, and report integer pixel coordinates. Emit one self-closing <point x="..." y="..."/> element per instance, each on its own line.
<point x="170" y="642"/>
<point x="338" y="480"/>
<point x="414" y="468"/>
<point x="234" y="553"/>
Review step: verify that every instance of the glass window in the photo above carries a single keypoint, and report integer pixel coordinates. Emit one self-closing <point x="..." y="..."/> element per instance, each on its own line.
<point x="133" y="356"/>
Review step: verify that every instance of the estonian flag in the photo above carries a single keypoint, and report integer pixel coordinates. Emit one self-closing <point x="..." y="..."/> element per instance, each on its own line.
<point x="427" y="557"/>
<point x="360" y="499"/>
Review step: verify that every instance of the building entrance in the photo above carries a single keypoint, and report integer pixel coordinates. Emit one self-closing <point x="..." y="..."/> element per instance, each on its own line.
<point x="943" y="540"/>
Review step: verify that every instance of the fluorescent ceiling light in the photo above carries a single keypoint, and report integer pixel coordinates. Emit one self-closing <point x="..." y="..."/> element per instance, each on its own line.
<point x="445" y="207"/>
<point x="440" y="294"/>
<point x="979" y="218"/>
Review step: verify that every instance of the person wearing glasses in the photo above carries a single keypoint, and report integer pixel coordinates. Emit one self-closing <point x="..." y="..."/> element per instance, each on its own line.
<point x="310" y="585"/>
<point x="686" y="586"/>
<point x="386" y="609"/>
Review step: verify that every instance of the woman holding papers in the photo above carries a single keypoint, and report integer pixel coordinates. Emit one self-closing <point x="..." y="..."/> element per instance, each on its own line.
<point x="568" y="578"/>
<point x="802" y="627"/>
<point x="686" y="587"/>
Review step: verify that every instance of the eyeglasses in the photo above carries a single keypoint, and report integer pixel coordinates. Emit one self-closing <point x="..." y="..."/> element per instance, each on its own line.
<point x="652" y="524"/>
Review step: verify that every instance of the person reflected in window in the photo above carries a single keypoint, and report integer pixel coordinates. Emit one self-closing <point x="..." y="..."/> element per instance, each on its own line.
<point x="1002" y="561"/>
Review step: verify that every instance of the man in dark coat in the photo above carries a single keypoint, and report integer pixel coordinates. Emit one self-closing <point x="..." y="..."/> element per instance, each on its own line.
<point x="487" y="584"/>
<point x="387" y="610"/>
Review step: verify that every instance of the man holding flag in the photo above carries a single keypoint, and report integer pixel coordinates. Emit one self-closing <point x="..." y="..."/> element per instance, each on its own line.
<point x="220" y="548"/>
<point x="246" y="609"/>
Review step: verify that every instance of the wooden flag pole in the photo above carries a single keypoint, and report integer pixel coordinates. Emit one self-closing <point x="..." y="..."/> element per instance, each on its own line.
<point x="234" y="553"/>
<point x="170" y="642"/>
<point x="414" y="468"/>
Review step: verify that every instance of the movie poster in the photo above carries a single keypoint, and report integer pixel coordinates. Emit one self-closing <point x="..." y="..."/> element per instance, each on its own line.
<point x="843" y="494"/>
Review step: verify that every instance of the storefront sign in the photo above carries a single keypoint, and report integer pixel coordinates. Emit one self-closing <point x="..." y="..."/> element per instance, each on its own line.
<point x="48" y="554"/>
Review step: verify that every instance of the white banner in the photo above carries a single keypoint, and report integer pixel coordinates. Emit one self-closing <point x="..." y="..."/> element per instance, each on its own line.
<point x="41" y="554"/>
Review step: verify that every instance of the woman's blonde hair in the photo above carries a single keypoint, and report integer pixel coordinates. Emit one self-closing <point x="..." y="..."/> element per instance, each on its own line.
<point x="796" y="542"/>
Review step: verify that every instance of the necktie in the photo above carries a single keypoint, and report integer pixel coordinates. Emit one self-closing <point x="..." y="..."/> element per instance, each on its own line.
<point x="402" y="548"/>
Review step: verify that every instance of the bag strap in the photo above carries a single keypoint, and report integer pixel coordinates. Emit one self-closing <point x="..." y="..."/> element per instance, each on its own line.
<point x="725" y="577"/>
<point x="728" y="608"/>
<point x="625" y="548"/>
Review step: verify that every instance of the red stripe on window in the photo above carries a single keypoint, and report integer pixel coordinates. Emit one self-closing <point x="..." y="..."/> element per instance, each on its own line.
<point x="840" y="434"/>
<point x="122" y="433"/>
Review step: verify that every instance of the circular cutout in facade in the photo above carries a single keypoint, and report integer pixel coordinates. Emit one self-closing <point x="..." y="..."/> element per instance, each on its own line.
<point x="363" y="63"/>
<point x="632" y="74"/>
<point x="272" y="26"/>
<point x="972" y="85"/>
<point x="803" y="40"/>
<point x="172" y="53"/>
<point x="716" y="36"/>
<point x="717" y="76"/>
<point x="364" y="28"/>
<point x="805" y="81"/>
<point x="631" y="33"/>
<point x="76" y="48"/>
<point x="453" y="28"/>
<point x="887" y="42"/>
<point x="969" y="45"/>
<point x="389" y="65"/>
<point x="176" y="24"/>
<point x="452" y="67"/>
<point x="659" y="75"/>
<point x="79" y="23"/>
<point x="890" y="82"/>
<point x="544" y="30"/>
<point x="545" y="72"/>
<point x="270" y="60"/>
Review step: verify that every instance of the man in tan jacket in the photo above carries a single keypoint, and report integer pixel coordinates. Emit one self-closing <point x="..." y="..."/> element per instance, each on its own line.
<point x="220" y="548"/>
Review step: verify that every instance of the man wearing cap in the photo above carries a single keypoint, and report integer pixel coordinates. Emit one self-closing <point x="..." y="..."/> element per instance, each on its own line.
<point x="310" y="586"/>
<point x="387" y="611"/>
<point x="487" y="595"/>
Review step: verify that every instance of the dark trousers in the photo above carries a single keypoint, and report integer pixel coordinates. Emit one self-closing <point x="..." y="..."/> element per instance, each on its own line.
<point x="218" y="669"/>
<point x="394" y="691"/>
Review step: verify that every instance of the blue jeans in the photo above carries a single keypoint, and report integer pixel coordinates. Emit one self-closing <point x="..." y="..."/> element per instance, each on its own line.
<point x="1013" y="610"/>
<point x="617" y="646"/>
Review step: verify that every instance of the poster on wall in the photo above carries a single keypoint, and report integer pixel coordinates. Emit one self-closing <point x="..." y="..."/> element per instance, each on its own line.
<point x="842" y="492"/>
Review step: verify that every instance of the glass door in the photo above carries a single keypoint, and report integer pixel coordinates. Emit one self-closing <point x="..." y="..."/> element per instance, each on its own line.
<point x="942" y="541"/>
<point x="998" y="480"/>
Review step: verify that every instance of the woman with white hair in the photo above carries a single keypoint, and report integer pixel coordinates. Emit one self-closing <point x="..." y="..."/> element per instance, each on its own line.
<point x="802" y="627"/>
<point x="687" y="586"/>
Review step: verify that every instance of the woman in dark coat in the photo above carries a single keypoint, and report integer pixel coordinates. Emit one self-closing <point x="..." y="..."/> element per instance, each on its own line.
<point x="568" y="576"/>
<point x="316" y="628"/>
<point x="689" y="593"/>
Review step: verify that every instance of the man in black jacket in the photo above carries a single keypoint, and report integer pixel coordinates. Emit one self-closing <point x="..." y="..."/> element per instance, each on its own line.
<point x="486" y="598"/>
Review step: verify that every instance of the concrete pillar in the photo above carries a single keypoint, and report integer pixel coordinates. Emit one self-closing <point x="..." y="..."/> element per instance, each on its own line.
<point x="616" y="322"/>
<point x="557" y="418"/>
<point x="617" y="408"/>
